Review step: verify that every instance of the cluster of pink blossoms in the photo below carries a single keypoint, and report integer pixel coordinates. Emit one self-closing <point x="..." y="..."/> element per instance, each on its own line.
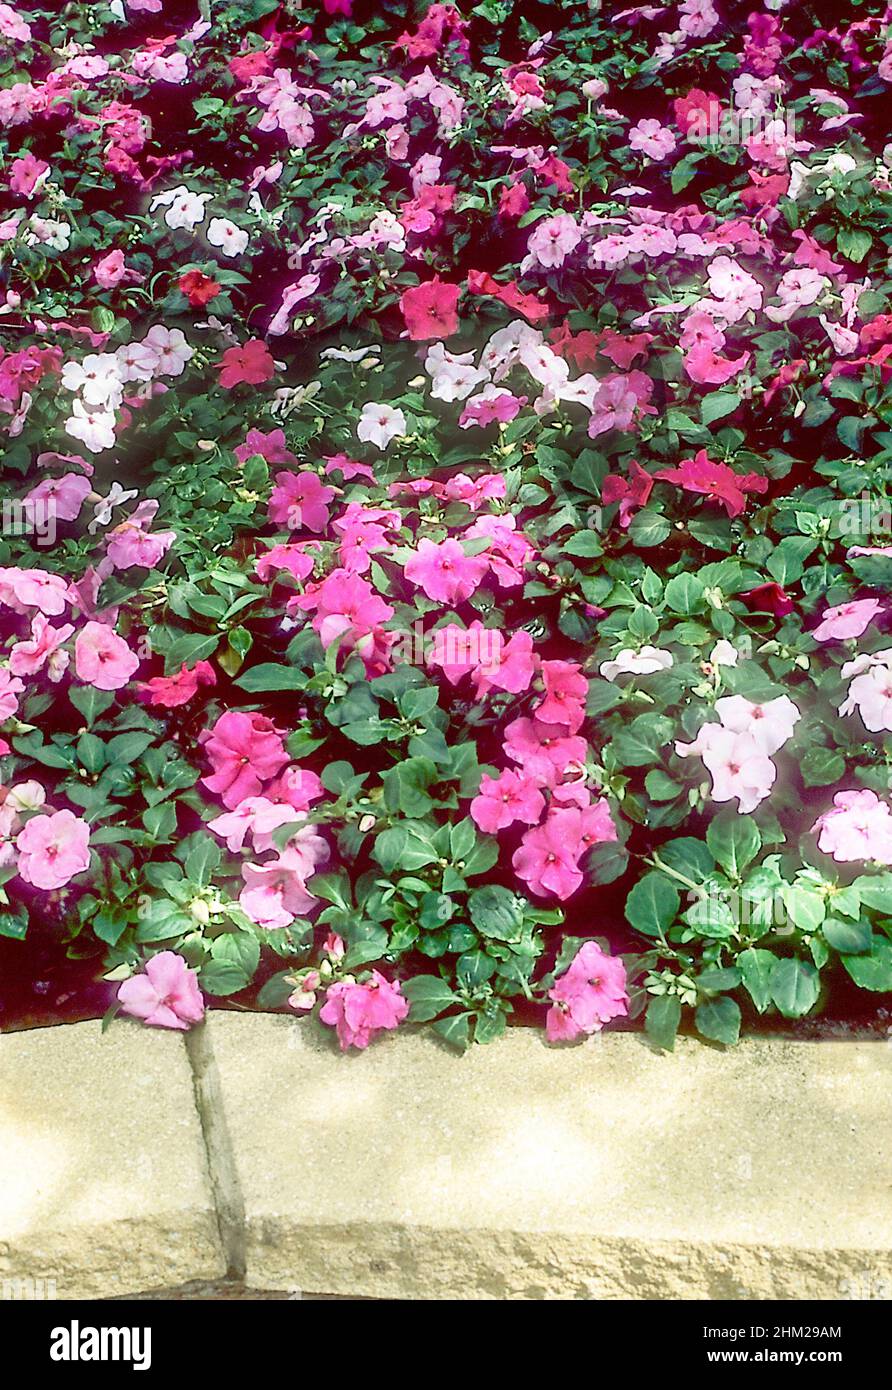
<point x="589" y="994"/>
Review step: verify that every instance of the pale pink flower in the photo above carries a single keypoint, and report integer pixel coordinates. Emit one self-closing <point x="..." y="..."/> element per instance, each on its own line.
<point x="847" y="620"/>
<point x="650" y="138"/>
<point x="52" y="849"/>
<point x="43" y="649"/>
<point x="858" y="827"/>
<point x="102" y="658"/>
<point x="166" y="995"/>
<point x="739" y="767"/>
<point x="552" y="241"/>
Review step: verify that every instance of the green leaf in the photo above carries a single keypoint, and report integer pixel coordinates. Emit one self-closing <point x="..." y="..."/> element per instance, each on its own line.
<point x="821" y="766"/>
<point x="794" y="987"/>
<point x="90" y="702"/>
<point x="756" y="966"/>
<point x="649" y="528"/>
<point x="496" y="912"/>
<point x="805" y="906"/>
<point x="652" y="905"/>
<point x="735" y="841"/>
<point x="719" y="1020"/>
<point x="456" y="1030"/>
<point x="849" y="938"/>
<point x="872" y="972"/>
<point x="271" y="676"/>
<point x="662" y="1019"/>
<point x="717" y="405"/>
<point x="428" y="996"/>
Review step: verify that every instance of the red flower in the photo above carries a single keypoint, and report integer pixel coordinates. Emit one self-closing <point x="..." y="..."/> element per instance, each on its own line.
<point x="481" y="282"/>
<point x="769" y="598"/>
<point x="699" y="113"/>
<point x="430" y="310"/>
<point x="714" y="480"/>
<point x="251" y="363"/>
<point x="172" y="691"/>
<point x="629" y="495"/>
<point x="199" y="289"/>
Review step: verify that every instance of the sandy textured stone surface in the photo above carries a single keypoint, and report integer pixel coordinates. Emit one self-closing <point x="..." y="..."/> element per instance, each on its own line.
<point x="103" y="1181"/>
<point x="526" y="1172"/>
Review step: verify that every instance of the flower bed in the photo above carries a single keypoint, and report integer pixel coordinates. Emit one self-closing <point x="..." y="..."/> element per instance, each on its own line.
<point x="444" y="570"/>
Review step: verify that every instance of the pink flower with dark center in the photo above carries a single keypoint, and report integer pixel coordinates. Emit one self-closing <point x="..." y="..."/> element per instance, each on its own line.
<point x="166" y="995"/>
<point x="847" y="620"/>
<point x="52" y="849"/>
<point x="590" y="993"/>
<point x="61" y="497"/>
<point x="547" y="860"/>
<point x="300" y="501"/>
<point x="102" y="658"/>
<point x="245" y="750"/>
<point x="444" y="571"/>
<point x="505" y="799"/>
<point x="430" y="310"/>
<point x="360" y="1011"/>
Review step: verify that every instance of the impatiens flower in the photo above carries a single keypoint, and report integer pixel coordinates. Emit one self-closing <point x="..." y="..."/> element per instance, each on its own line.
<point x="714" y="480"/>
<point x="26" y="174"/>
<point x="43" y="650"/>
<point x="650" y="138"/>
<point x="590" y="993"/>
<point x="548" y="857"/>
<point x="172" y="691"/>
<point x="22" y="589"/>
<point x="275" y="893"/>
<point x="870" y="692"/>
<point x="630" y="494"/>
<point x="430" y="310"/>
<point x="184" y="208"/>
<point x="170" y="349"/>
<point x="631" y="663"/>
<point x="505" y="799"/>
<point x="360" y="1011"/>
<point x="770" y="724"/>
<point x="231" y="240"/>
<point x="111" y="271"/>
<point x="859" y="827"/>
<point x="300" y="501"/>
<point x="198" y="288"/>
<point x="544" y="751"/>
<point x="739" y="767"/>
<point x="165" y="995"/>
<point x="94" y="427"/>
<point x="444" y="571"/>
<point x="102" y="658"/>
<point x="52" y="849"/>
<point x="10" y="689"/>
<point x="846" y="620"/>
<point x="62" y="497"/>
<point x="566" y="689"/>
<point x="251" y="364"/>
<point x="245" y="750"/>
<point x="379" y="424"/>
<point x="552" y="241"/>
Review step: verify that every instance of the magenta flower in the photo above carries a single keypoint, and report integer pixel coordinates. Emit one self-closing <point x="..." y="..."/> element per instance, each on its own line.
<point x="588" y="995"/>
<point x="359" y="1012"/>
<point x="53" y="849"/>
<point x="300" y="501"/>
<point x="444" y="571"/>
<point x="505" y="799"/>
<point x="245" y="750"/>
<point x="166" y="995"/>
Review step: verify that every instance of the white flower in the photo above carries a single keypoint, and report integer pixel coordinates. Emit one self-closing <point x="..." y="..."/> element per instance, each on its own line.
<point x="97" y="378"/>
<point x="48" y="232"/>
<point x="170" y="349"/>
<point x="351" y="354"/>
<point x="231" y="240"/>
<point x="629" y="662"/>
<point x="95" y="427"/>
<point x="379" y="424"/>
<point x="724" y="654"/>
<point x="184" y="208"/>
<point x="102" y="511"/>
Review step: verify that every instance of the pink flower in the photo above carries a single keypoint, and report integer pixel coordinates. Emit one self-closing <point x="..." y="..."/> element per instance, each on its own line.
<point x="590" y="993"/>
<point x="847" y="620"/>
<point x="102" y="658"/>
<point x="716" y="481"/>
<point x="739" y="767"/>
<point x="430" y="310"/>
<point x="566" y="689"/>
<point x="179" y="689"/>
<point x="10" y="689"/>
<point x="859" y="827"/>
<point x="552" y="241"/>
<point x="245" y="750"/>
<point x="652" y="139"/>
<point x="52" y="849"/>
<point x="166" y="995"/>
<point x="111" y="271"/>
<point x="297" y="560"/>
<point x="871" y="690"/>
<point x="27" y="173"/>
<point x="62" y="497"/>
<point x="359" y="1012"/>
<point x="444" y="571"/>
<point x="347" y="608"/>
<point x="505" y="799"/>
<point x="23" y="589"/>
<point x="300" y="501"/>
<point x="547" y="859"/>
<point x="543" y="750"/>
<point x="27" y="658"/>
<point x="276" y="893"/>
<point x="250" y="363"/>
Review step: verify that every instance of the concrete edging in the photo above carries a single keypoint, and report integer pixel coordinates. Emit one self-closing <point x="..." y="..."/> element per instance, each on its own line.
<point x="253" y="1149"/>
